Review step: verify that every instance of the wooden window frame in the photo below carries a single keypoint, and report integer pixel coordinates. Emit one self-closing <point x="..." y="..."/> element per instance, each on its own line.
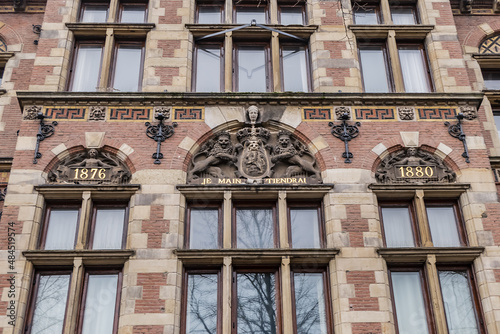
<point x="46" y="220"/>
<point x="255" y="205"/>
<point x="83" y="4"/>
<point x="195" y="64"/>
<point x="425" y="61"/>
<point x="307" y="205"/>
<point x="209" y="4"/>
<point x="268" y="66"/>
<point x="417" y="239"/>
<point x="249" y="4"/>
<point x="76" y="51"/>
<point x="187" y="225"/>
<point x="368" y="4"/>
<point x="486" y="70"/>
<point x="107" y="205"/>
<point x="293" y="5"/>
<point x="385" y="50"/>
<point x="462" y="235"/>
<point x="124" y="3"/>
<point x="406" y="4"/>
<point x="112" y="68"/>
<point x="308" y="64"/>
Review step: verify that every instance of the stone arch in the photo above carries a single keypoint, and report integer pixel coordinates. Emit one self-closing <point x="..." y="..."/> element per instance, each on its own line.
<point x="9" y="35"/>
<point x="477" y="35"/>
<point x="490" y="44"/>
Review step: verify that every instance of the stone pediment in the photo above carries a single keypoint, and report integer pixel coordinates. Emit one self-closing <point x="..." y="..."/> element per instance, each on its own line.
<point x="91" y="167"/>
<point x="413" y="165"/>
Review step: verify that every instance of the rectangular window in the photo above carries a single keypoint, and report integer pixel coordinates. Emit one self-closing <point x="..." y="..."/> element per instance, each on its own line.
<point x="414" y="68"/>
<point x="209" y="13"/>
<point x="100" y="302"/>
<point x="48" y="303"/>
<point x="133" y="13"/>
<point x="244" y="13"/>
<point x="374" y="68"/>
<point x="252" y="74"/>
<point x="496" y="117"/>
<point x="295" y="69"/>
<point x="209" y="64"/>
<point x="402" y="14"/>
<point x="292" y="14"/>
<point x="254" y="227"/>
<point x="305" y="227"/>
<point x="108" y="228"/>
<point x="444" y="225"/>
<point x="86" y="67"/>
<point x="398" y="226"/>
<point x="127" y="71"/>
<point x="204" y="227"/>
<point x="94" y="12"/>
<point x="202" y="303"/>
<point x="60" y="228"/>
<point x="1" y="74"/>
<point x="366" y="13"/>
<point x="491" y="79"/>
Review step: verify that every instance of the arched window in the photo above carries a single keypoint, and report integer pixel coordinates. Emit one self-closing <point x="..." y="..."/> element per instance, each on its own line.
<point x="489" y="59"/>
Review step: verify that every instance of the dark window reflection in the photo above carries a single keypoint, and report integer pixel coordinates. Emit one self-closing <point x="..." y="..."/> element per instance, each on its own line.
<point x="201" y="314"/>
<point x="256" y="313"/>
<point x="204" y="228"/>
<point x="310" y="307"/>
<point x="255" y="228"/>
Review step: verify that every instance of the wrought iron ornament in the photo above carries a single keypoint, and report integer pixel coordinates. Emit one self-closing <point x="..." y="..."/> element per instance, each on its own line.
<point x="44" y="131"/>
<point x="456" y="131"/>
<point x="345" y="133"/>
<point x="159" y="133"/>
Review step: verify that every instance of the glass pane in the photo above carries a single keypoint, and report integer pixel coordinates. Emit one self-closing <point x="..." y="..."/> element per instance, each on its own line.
<point x="374" y="70"/>
<point x="295" y="69"/>
<point x="491" y="79"/>
<point x="50" y="305"/>
<point x="310" y="303"/>
<point x="204" y="229"/>
<point x="201" y="313"/>
<point x="304" y="228"/>
<point x="443" y="225"/>
<point x="245" y="15"/>
<point x="256" y="312"/>
<point x="128" y="68"/>
<point x="100" y="305"/>
<point x="397" y="227"/>
<point x="409" y="301"/>
<point x="252" y="74"/>
<point x="209" y="14"/>
<point x="365" y="15"/>
<point x="108" y="230"/>
<point x="86" y="69"/>
<point x="291" y="15"/>
<point x="133" y="13"/>
<point x="94" y="13"/>
<point x="403" y="15"/>
<point x="208" y="69"/>
<point x="61" y="232"/>
<point x="497" y="123"/>
<point x="255" y="228"/>
<point x="458" y="304"/>
<point x="414" y="70"/>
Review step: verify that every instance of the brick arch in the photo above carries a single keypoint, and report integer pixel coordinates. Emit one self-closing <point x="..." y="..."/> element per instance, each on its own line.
<point x="477" y="35"/>
<point x="9" y="35"/>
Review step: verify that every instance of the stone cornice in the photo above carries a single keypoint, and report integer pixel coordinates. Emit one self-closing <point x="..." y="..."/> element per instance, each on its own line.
<point x="98" y="29"/>
<point x="417" y="31"/>
<point x="89" y="257"/>
<point x="74" y="191"/>
<point x="27" y="98"/>
<point x="5" y="56"/>
<point x="419" y="254"/>
<point x="199" y="30"/>
<point x="407" y="190"/>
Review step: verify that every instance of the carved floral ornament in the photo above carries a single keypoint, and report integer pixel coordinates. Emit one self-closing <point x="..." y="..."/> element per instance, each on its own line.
<point x="253" y="154"/>
<point x="91" y="167"/>
<point x="413" y="165"/>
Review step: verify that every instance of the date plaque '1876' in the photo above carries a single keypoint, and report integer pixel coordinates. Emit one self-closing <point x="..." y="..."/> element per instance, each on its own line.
<point x="90" y="174"/>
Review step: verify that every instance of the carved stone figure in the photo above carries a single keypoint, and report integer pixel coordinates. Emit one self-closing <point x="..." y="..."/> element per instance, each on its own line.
<point x="406" y="113"/>
<point x="215" y="152"/>
<point x="339" y="111"/>
<point x="97" y="113"/>
<point x="31" y="113"/>
<point x="164" y="111"/>
<point x="470" y="113"/>
<point x="252" y="114"/>
<point x="400" y="167"/>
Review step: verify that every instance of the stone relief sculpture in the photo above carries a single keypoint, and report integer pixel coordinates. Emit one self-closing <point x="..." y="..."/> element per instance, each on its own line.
<point x="92" y="167"/>
<point x="253" y="153"/>
<point x="413" y="165"/>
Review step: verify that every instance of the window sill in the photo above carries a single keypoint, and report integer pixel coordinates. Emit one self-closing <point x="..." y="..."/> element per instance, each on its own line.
<point x="74" y="191"/>
<point x="89" y="257"/>
<point x="418" y="31"/>
<point x="98" y="29"/>
<point x="443" y="254"/>
<point x="200" y="30"/>
<point x="407" y="190"/>
<point x="256" y="256"/>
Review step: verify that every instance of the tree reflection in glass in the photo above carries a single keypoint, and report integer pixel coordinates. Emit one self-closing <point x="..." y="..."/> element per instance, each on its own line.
<point x="256" y="312"/>
<point x="50" y="305"/>
<point x="201" y="314"/>
<point x="310" y="308"/>
<point x="255" y="228"/>
<point x="204" y="229"/>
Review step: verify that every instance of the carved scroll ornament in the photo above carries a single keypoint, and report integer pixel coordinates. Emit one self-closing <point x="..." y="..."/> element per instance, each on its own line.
<point x="92" y="167"/>
<point x="413" y="165"/>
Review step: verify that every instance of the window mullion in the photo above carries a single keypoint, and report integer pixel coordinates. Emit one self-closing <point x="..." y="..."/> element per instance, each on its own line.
<point x="106" y="59"/>
<point x="227" y="284"/>
<point x="229" y="66"/>
<point x="113" y="11"/>
<point x="422" y="221"/>
<point x="228" y="12"/>
<point x="386" y="12"/>
<point x="283" y="220"/>
<point x="397" y="75"/>
<point x="273" y="11"/>
<point x="74" y="297"/>
<point x="227" y="221"/>
<point x="436" y="297"/>
<point x="275" y="62"/>
<point x="286" y="290"/>
<point x="85" y="216"/>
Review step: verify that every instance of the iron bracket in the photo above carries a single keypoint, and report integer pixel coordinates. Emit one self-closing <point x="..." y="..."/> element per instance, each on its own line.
<point x="346" y="133"/>
<point x="456" y="131"/>
<point x="44" y="131"/>
<point x="159" y="133"/>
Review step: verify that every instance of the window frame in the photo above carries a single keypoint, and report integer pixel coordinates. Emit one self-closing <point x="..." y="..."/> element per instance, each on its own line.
<point x="292" y="5"/>
<point x="250" y="4"/>
<point x="112" y="69"/>
<point x="307" y="60"/>
<point x="406" y="4"/>
<point x="485" y="71"/>
<point x="367" y="4"/>
<point x="121" y="6"/>
<point x="306" y="205"/>
<point x="107" y="205"/>
<point x="187" y="225"/>
<point x="254" y="205"/>
<point x="49" y="207"/>
<point x="267" y="66"/>
<point x="74" y="61"/>
<point x="417" y="239"/>
<point x="83" y="4"/>
<point x="462" y="233"/>
<point x="425" y="62"/>
<point x="209" y="4"/>
<point x="194" y="78"/>
<point x="387" y="63"/>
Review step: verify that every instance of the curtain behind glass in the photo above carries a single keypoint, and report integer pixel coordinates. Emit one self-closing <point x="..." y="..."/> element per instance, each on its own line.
<point x="201" y="313"/>
<point x="310" y="307"/>
<point x="414" y="70"/>
<point x="128" y="68"/>
<point x="208" y="69"/>
<point x="304" y="228"/>
<point x="108" y="230"/>
<point x="255" y="228"/>
<point x="86" y="69"/>
<point x="61" y="232"/>
<point x="50" y="305"/>
<point x="256" y="311"/>
<point x="443" y="225"/>
<point x="252" y="74"/>
<point x="99" y="313"/>
<point x="133" y="14"/>
<point x="458" y="304"/>
<point x="374" y="70"/>
<point x="397" y="227"/>
<point x="409" y="301"/>
<point x="294" y="69"/>
<point x="403" y="15"/>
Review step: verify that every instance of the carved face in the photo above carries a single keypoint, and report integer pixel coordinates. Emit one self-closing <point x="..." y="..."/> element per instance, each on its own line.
<point x="224" y="141"/>
<point x="253" y="113"/>
<point x="284" y="140"/>
<point x="93" y="153"/>
<point x="253" y="145"/>
<point x="412" y="152"/>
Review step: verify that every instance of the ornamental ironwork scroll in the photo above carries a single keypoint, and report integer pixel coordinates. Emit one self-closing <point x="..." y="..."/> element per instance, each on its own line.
<point x="456" y="131"/>
<point x="346" y="133"/>
<point x="253" y="154"/>
<point x="413" y="165"/>
<point x="44" y="131"/>
<point x="91" y="167"/>
<point x="160" y="132"/>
